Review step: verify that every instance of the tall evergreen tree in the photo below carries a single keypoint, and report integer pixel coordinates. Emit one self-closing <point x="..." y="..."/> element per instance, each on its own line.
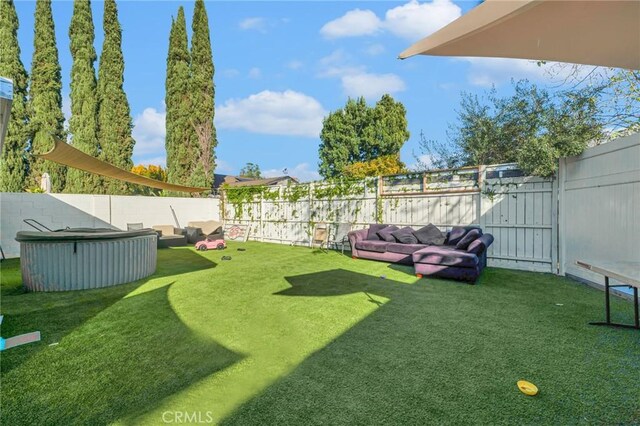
<point x="13" y="167"/>
<point x="114" y="118"/>
<point x="202" y="100"/>
<point x="83" y="122"/>
<point x="179" y="129"/>
<point x="45" y="99"/>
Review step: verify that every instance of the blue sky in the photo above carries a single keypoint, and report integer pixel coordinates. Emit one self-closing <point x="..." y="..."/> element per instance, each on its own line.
<point x="282" y="66"/>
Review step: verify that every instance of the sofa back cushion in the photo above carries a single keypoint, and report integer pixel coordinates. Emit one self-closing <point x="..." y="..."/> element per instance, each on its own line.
<point x="385" y="233"/>
<point x="372" y="233"/>
<point x="479" y="245"/>
<point x="430" y="235"/>
<point x="164" y="229"/>
<point x="405" y="235"/>
<point x="469" y="237"/>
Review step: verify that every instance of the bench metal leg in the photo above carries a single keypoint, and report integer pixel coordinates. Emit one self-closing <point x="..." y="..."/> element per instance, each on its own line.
<point x="607" y="301"/>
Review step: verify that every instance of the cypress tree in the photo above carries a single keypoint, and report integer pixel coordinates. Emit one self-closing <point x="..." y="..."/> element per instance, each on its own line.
<point x="13" y="165"/>
<point x="83" y="122"/>
<point x="45" y="99"/>
<point x="114" y="118"/>
<point x="179" y="130"/>
<point x="202" y="99"/>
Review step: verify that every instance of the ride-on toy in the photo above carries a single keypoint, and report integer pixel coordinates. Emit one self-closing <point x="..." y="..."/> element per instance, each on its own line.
<point x="217" y="244"/>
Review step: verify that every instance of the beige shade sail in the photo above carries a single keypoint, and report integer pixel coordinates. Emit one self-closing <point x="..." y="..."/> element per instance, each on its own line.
<point x="604" y="33"/>
<point x="67" y="155"/>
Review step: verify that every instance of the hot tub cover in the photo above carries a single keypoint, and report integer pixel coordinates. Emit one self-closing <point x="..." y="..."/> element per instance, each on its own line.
<point x="78" y="234"/>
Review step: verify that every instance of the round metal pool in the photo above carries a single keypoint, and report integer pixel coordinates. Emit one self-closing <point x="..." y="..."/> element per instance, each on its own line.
<point x="84" y="258"/>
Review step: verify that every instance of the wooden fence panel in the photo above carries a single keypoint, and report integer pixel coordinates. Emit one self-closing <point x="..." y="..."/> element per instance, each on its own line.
<point x="518" y="210"/>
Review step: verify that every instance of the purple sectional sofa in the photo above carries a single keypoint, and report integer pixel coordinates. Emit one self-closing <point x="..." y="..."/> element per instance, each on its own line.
<point x="461" y="254"/>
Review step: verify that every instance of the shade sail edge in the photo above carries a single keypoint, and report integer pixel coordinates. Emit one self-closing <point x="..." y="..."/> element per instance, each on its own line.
<point x="600" y="33"/>
<point x="65" y="154"/>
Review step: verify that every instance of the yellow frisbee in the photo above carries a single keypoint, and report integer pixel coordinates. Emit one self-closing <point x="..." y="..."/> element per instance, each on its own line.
<point x="527" y="388"/>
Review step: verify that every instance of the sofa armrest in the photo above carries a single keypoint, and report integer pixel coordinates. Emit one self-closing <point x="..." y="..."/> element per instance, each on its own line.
<point x="479" y="248"/>
<point x="354" y="237"/>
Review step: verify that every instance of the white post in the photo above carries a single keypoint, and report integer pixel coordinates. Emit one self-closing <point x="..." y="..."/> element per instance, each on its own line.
<point x="561" y="228"/>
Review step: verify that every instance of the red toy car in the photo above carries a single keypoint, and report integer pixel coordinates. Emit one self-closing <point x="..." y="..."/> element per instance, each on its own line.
<point x="211" y="245"/>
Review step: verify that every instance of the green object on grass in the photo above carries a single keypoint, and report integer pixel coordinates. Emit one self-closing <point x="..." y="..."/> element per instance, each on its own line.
<point x="283" y="336"/>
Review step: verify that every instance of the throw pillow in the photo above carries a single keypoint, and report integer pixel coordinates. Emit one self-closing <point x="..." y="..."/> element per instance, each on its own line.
<point x="405" y="235"/>
<point x="429" y="234"/>
<point x="385" y="233"/>
<point x="477" y="246"/>
<point x="372" y="233"/>
<point x="455" y="235"/>
<point x="471" y="236"/>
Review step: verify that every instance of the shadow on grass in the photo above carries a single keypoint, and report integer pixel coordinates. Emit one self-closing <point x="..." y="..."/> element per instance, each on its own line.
<point x="451" y="354"/>
<point x="56" y="314"/>
<point x="338" y="282"/>
<point x="124" y="361"/>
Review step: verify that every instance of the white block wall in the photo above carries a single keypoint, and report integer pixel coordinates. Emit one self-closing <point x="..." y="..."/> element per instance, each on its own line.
<point x="600" y="206"/>
<point x="95" y="211"/>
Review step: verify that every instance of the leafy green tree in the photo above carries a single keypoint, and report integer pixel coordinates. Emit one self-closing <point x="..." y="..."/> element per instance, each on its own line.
<point x="180" y="134"/>
<point x="84" y="105"/>
<point x="114" y="116"/>
<point x="202" y="100"/>
<point x="359" y="133"/>
<point x="531" y="127"/>
<point x="13" y="165"/>
<point x="388" y="129"/>
<point x="343" y="132"/>
<point x="251" y="170"/>
<point x="45" y="99"/>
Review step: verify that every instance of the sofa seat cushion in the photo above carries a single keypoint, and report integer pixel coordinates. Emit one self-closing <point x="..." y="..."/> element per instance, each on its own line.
<point x="369" y="245"/>
<point x="404" y="248"/>
<point x="446" y="256"/>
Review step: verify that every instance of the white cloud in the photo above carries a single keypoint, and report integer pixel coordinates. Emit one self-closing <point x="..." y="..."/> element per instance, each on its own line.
<point x="66" y="107"/>
<point x="495" y="71"/>
<point x="354" y="23"/>
<point x="412" y="21"/>
<point x="156" y="161"/>
<point x="255" y="73"/>
<point x="301" y="172"/>
<point x="416" y="20"/>
<point x="486" y="72"/>
<point x="371" y="85"/>
<point x="337" y="64"/>
<point x="294" y="64"/>
<point x="222" y="167"/>
<point x="356" y="80"/>
<point x="230" y="72"/>
<point x="149" y="134"/>
<point x="374" y="49"/>
<point x="255" y="23"/>
<point x="421" y="162"/>
<point x="275" y="113"/>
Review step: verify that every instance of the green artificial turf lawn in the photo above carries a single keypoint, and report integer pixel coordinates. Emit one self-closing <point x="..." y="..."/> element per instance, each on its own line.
<point x="288" y="335"/>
